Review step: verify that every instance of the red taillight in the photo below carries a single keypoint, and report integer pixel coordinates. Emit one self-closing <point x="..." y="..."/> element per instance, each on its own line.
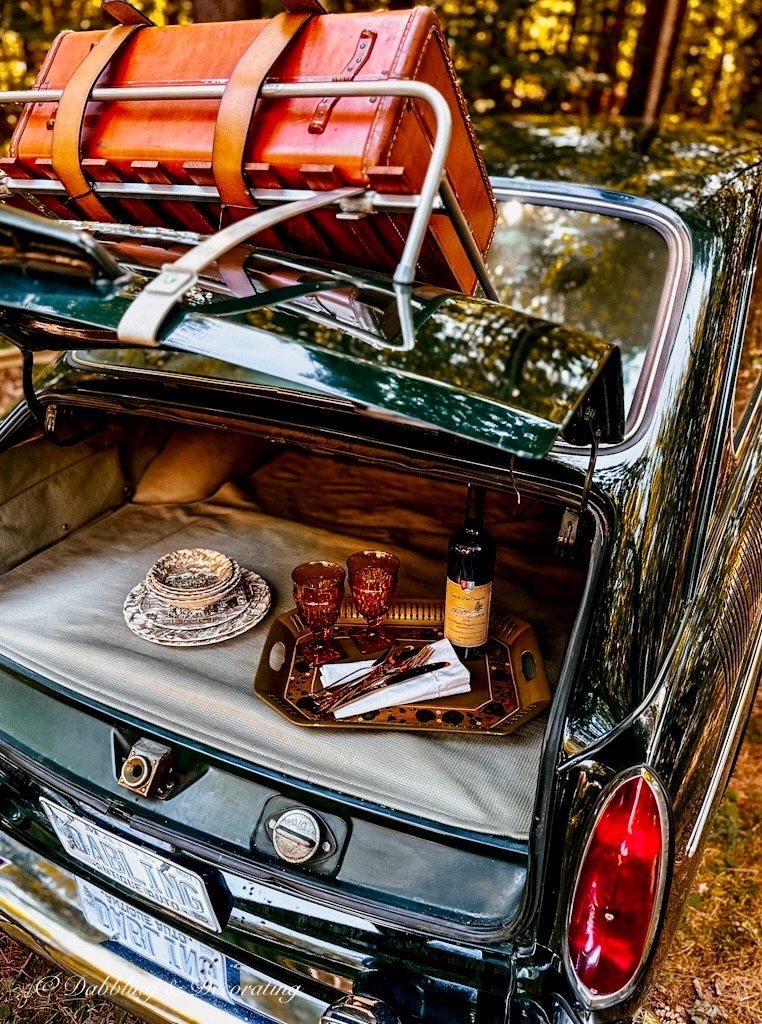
<point x="619" y="887"/>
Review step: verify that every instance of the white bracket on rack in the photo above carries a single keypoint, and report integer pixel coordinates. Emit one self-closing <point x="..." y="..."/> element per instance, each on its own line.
<point x="142" y="322"/>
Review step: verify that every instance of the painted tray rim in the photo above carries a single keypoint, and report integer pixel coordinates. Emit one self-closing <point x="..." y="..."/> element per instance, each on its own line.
<point x="271" y="686"/>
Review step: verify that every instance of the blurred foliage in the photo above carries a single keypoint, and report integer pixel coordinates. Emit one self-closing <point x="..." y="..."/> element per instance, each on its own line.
<point x="539" y="56"/>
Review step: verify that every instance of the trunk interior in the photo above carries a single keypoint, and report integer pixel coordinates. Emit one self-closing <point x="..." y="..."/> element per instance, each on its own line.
<point x="80" y="527"/>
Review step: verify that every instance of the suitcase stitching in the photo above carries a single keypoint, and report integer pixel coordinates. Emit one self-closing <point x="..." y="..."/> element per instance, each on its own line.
<point x="42" y="79"/>
<point x="414" y="15"/>
<point x="445" y="50"/>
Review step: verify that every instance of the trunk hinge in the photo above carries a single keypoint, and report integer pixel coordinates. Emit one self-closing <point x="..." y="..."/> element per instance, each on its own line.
<point x="27" y="372"/>
<point x="48" y="417"/>
<point x="568" y="534"/>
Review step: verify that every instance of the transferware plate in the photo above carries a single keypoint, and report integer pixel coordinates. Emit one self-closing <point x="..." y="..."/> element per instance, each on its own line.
<point x="160" y="623"/>
<point x="192" y="575"/>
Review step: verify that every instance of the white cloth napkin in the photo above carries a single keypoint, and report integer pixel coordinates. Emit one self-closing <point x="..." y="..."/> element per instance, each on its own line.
<point x="443" y="683"/>
<point x="332" y="674"/>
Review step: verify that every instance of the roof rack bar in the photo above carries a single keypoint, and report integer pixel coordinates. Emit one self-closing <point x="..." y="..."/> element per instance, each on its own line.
<point x="445" y="203"/>
<point x="145" y="315"/>
<point x="128" y="92"/>
<point x="382" y="202"/>
<point x="405" y="272"/>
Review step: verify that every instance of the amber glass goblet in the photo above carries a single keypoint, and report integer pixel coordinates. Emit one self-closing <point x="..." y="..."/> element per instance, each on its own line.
<point x="318" y="592"/>
<point x="373" y="581"/>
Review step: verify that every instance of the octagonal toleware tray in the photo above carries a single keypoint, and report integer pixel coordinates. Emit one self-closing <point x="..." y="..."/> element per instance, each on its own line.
<point x="508" y="685"/>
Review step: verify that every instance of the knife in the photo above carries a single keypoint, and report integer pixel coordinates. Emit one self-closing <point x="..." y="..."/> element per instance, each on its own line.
<point x="411" y="673"/>
<point x="392" y="680"/>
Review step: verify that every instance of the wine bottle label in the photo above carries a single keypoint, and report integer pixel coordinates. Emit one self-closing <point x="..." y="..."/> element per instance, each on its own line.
<point x="466" y="618"/>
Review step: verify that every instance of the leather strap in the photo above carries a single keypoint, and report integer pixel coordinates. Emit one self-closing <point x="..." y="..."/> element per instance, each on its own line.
<point x="236" y="110"/>
<point x="125" y="13"/>
<point x="67" y="131"/>
<point x="304" y="7"/>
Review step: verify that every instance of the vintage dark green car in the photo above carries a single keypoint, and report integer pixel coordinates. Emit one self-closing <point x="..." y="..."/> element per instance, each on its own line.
<point x="173" y="836"/>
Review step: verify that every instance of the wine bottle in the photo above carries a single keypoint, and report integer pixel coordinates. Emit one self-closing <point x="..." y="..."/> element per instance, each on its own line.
<point x="470" y="573"/>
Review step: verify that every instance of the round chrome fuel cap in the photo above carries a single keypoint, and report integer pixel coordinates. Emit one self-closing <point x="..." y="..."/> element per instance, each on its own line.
<point x="295" y="835"/>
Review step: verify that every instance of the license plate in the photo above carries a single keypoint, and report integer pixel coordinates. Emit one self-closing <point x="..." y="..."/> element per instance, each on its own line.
<point x="155" y="878"/>
<point x="182" y="955"/>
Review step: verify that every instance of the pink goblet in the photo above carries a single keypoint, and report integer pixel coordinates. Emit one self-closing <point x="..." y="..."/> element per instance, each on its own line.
<point x="373" y="582"/>
<point x="319" y="592"/>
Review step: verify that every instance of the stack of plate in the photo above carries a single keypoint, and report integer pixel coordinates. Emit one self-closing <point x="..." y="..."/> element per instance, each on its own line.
<point x="194" y="597"/>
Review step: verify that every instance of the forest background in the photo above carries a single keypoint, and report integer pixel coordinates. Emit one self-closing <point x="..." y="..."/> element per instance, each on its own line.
<point x="680" y="59"/>
<point x="674" y="60"/>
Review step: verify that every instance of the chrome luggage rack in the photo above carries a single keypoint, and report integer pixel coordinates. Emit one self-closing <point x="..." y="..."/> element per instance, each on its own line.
<point x="148" y="311"/>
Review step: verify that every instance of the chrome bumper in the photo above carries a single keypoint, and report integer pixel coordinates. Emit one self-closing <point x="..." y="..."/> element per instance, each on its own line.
<point x="39" y="905"/>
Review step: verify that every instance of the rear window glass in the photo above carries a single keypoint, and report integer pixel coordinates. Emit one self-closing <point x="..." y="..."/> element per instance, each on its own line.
<point x="591" y="271"/>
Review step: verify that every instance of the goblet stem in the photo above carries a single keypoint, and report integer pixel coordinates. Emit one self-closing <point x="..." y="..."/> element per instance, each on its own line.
<point x="320" y="649"/>
<point x="372" y="637"/>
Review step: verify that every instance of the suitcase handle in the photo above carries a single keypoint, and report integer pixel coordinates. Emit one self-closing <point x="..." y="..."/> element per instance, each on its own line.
<point x="357" y="62"/>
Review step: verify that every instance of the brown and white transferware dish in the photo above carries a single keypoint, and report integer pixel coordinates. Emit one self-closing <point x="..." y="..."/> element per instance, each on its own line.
<point x="195" y="597"/>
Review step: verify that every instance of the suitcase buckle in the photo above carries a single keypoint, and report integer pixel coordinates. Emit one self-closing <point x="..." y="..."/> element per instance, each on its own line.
<point x="359" y="59"/>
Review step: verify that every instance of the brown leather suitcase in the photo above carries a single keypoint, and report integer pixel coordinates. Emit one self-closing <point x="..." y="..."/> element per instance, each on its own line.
<point x="243" y="142"/>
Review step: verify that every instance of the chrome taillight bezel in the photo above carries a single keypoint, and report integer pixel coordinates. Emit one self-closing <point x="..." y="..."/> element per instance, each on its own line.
<point x="592" y="1000"/>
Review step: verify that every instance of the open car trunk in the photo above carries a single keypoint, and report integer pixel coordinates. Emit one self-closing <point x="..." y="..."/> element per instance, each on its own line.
<point x="82" y="525"/>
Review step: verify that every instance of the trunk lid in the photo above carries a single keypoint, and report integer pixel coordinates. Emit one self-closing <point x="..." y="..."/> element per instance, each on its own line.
<point x="477" y="369"/>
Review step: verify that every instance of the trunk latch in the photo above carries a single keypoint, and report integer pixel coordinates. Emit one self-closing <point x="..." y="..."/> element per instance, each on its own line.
<point x="147" y="769"/>
<point x="568" y="534"/>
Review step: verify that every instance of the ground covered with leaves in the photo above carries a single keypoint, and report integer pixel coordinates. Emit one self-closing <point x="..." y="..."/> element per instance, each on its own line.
<point x="714" y="972"/>
<point x="33" y="992"/>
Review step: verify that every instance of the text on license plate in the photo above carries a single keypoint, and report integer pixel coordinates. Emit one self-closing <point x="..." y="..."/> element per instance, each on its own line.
<point x="160" y="943"/>
<point x="155" y="878"/>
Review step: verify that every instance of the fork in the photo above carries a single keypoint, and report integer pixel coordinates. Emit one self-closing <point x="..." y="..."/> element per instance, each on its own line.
<point x="365" y="686"/>
<point x="392" y="656"/>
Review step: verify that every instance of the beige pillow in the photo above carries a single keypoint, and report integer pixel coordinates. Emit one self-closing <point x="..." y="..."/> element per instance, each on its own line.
<point x="195" y="463"/>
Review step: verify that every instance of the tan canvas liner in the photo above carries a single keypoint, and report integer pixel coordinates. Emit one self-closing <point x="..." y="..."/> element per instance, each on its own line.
<point x="62" y="607"/>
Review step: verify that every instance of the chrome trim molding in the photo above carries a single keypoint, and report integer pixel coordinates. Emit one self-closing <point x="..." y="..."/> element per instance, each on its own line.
<point x="727" y="749"/>
<point x="357" y="1009"/>
<point x="590" y="999"/>
<point x="677" y="238"/>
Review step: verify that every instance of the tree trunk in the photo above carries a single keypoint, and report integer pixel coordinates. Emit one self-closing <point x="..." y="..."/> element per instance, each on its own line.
<point x="573" y="26"/>
<point x="226" y="10"/>
<point x="748" y="101"/>
<point x="654" y="54"/>
<point x="612" y="28"/>
<point x="610" y="38"/>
